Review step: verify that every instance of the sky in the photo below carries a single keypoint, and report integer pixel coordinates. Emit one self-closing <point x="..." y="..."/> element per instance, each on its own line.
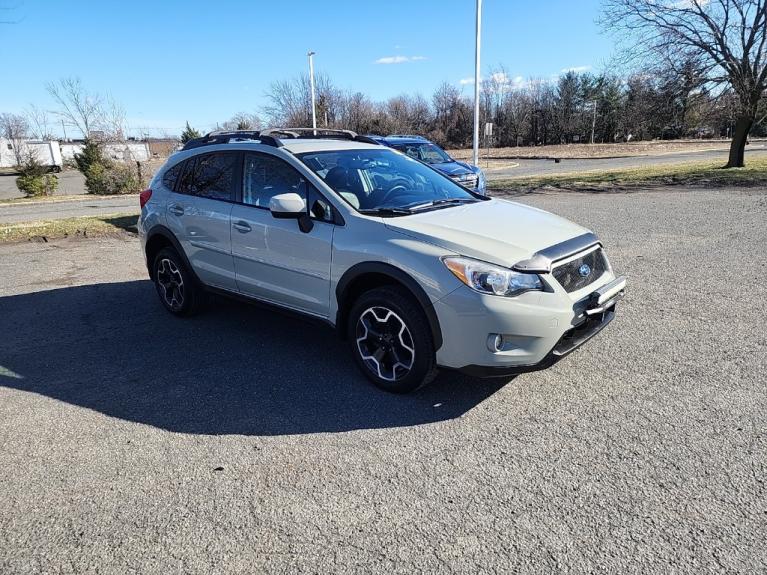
<point x="172" y="61"/>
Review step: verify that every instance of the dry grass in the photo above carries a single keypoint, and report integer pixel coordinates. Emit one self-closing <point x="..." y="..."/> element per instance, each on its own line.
<point x="84" y="227"/>
<point x="573" y="151"/>
<point x="708" y="174"/>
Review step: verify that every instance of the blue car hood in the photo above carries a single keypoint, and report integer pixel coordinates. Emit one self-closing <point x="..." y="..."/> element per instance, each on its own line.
<point x="454" y="168"/>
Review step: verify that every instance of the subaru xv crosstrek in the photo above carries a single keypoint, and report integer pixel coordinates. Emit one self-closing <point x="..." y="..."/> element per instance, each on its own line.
<point x="430" y="153"/>
<point x="416" y="272"/>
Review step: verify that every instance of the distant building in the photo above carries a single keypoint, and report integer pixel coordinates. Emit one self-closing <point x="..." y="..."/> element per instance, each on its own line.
<point x="119" y="151"/>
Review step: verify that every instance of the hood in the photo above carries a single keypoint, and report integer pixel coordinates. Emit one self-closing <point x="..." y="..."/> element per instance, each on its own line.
<point x="496" y="231"/>
<point x="453" y="168"/>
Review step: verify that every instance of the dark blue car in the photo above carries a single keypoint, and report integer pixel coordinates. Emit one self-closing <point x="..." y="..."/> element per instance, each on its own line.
<point x="430" y="153"/>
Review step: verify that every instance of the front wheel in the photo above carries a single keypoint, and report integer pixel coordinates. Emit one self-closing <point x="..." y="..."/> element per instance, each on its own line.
<point x="391" y="340"/>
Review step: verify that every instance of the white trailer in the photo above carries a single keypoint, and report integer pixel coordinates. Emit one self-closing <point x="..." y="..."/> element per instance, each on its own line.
<point x="47" y="152"/>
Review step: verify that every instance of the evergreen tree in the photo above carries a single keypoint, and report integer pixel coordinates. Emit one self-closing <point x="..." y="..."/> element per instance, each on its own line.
<point x="189" y="133"/>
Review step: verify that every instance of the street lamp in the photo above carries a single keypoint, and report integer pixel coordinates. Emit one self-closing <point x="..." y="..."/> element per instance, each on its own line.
<point x="310" y="54"/>
<point x="475" y="157"/>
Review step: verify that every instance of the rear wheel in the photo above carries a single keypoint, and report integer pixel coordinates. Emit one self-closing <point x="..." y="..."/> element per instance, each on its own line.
<point x="175" y="285"/>
<point x="391" y="340"/>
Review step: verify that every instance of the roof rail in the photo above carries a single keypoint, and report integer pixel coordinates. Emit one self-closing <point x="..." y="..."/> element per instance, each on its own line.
<point x="318" y="133"/>
<point x="314" y="133"/>
<point x="226" y="136"/>
<point x="269" y="137"/>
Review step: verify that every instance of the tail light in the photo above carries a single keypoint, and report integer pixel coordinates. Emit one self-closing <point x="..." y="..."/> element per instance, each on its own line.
<point x="144" y="196"/>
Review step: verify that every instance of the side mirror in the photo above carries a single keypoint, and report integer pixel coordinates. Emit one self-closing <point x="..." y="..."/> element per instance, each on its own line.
<point x="287" y="206"/>
<point x="291" y="206"/>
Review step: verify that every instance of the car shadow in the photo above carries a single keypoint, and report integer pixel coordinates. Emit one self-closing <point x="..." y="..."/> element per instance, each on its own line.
<point x="234" y="369"/>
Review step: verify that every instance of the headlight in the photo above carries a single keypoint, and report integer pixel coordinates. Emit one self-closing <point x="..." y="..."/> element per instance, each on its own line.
<point x="482" y="183"/>
<point x="491" y="279"/>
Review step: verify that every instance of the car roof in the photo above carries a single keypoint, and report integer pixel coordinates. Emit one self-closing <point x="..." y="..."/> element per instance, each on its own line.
<point x="402" y="140"/>
<point x="302" y="145"/>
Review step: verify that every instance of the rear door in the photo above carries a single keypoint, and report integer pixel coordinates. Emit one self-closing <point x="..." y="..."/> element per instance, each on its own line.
<point x="274" y="260"/>
<point x="198" y="212"/>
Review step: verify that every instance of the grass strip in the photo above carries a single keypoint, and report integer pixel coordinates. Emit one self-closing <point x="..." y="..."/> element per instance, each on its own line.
<point x="710" y="174"/>
<point x="84" y="227"/>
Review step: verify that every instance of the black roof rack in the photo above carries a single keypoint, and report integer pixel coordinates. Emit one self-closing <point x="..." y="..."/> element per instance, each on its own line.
<point x="270" y="137"/>
<point x="226" y="136"/>
<point x="320" y="134"/>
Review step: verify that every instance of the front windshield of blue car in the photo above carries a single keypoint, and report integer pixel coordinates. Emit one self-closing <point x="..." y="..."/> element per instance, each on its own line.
<point x="385" y="182"/>
<point x="425" y="152"/>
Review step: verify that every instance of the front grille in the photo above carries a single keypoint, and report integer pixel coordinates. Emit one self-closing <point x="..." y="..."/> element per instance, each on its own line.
<point x="468" y="181"/>
<point x="569" y="275"/>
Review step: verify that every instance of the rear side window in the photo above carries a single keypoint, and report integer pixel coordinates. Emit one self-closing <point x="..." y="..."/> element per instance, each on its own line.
<point x="210" y="176"/>
<point x="170" y="177"/>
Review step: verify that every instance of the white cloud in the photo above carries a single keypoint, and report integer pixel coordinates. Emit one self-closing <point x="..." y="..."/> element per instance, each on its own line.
<point x="684" y="4"/>
<point x="399" y="59"/>
<point x="576" y="69"/>
<point x="499" y="79"/>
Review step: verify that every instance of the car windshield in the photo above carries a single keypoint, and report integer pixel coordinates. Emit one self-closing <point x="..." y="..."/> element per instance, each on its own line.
<point x="384" y="182"/>
<point x="425" y="152"/>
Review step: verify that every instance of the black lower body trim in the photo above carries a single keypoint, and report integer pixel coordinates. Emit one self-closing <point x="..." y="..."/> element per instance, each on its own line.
<point x="570" y="341"/>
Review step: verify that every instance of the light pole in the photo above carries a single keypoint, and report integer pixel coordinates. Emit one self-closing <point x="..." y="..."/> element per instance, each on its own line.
<point x="594" y="121"/>
<point x="475" y="156"/>
<point x="311" y="83"/>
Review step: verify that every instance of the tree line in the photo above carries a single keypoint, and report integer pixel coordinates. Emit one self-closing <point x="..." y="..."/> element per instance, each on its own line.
<point x="575" y="107"/>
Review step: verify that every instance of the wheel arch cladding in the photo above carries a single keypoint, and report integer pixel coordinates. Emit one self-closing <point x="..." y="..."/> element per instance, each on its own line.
<point x="160" y="237"/>
<point x="365" y="276"/>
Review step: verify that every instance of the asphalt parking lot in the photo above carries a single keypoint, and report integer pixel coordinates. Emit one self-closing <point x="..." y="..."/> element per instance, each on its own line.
<point x="245" y="441"/>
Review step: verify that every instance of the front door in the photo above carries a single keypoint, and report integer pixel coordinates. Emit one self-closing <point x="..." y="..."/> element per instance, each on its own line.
<point x="274" y="260"/>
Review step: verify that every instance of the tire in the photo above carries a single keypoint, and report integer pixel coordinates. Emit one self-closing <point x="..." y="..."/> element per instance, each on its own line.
<point x="391" y="341"/>
<point x="178" y="290"/>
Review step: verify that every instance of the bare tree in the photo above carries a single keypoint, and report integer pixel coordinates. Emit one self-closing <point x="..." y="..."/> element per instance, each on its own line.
<point x="112" y="123"/>
<point x="39" y="124"/>
<point x="242" y="121"/>
<point x="14" y="128"/>
<point x="290" y="102"/>
<point x="77" y="106"/>
<point x="726" y="37"/>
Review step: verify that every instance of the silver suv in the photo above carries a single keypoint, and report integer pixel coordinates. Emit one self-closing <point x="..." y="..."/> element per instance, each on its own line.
<point x="416" y="271"/>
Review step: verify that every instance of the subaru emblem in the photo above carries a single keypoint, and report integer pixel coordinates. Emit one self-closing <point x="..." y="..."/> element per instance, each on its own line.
<point x="584" y="270"/>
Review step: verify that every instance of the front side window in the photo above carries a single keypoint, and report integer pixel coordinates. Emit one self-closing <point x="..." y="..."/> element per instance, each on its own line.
<point x="381" y="180"/>
<point x="210" y="176"/>
<point x="265" y="176"/>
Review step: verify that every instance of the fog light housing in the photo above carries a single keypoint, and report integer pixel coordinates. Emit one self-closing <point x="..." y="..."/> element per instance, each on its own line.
<point x="495" y="342"/>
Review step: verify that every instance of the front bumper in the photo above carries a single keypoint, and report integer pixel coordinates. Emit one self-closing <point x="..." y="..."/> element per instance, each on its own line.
<point x="538" y="328"/>
<point x="569" y="342"/>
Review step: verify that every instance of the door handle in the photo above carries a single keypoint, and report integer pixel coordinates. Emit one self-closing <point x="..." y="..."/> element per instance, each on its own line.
<point x="242" y="227"/>
<point x="176" y="209"/>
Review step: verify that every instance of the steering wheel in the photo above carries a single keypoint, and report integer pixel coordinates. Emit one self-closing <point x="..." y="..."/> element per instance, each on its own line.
<point x="393" y="191"/>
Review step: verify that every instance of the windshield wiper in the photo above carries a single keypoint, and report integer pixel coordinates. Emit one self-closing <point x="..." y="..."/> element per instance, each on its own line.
<point x="442" y="202"/>
<point x="386" y="211"/>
